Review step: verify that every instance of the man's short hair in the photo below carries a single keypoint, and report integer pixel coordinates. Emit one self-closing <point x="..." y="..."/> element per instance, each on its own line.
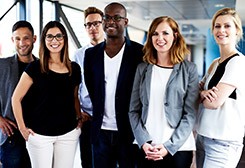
<point x="92" y="10"/>
<point x="22" y="24"/>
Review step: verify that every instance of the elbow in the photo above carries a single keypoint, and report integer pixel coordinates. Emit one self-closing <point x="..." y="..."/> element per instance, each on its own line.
<point x="15" y="100"/>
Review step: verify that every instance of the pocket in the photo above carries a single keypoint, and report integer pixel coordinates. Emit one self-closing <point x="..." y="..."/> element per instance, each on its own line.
<point x="78" y="131"/>
<point x="29" y="137"/>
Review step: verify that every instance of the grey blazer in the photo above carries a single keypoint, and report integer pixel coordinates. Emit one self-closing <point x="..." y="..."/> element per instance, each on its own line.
<point x="180" y="103"/>
<point x="9" y="77"/>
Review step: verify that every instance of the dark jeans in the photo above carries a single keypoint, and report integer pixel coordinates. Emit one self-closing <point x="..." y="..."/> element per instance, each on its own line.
<point x="14" y="153"/>
<point x="109" y="151"/>
<point x="181" y="159"/>
<point x="85" y="145"/>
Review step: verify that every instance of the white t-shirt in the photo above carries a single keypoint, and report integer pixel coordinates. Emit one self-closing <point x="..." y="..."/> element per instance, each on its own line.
<point x="228" y="121"/>
<point x="156" y="123"/>
<point x="112" y="67"/>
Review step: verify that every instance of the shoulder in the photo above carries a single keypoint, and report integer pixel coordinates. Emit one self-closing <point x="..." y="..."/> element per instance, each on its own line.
<point x="81" y="50"/>
<point x="133" y="44"/>
<point x="35" y="65"/>
<point x="211" y="67"/>
<point x="96" y="47"/>
<point x="7" y="59"/>
<point x="187" y="67"/>
<point x="237" y="59"/>
<point x="75" y="65"/>
<point x="237" y="63"/>
<point x="94" y="51"/>
<point x="142" y="67"/>
<point x="188" y="64"/>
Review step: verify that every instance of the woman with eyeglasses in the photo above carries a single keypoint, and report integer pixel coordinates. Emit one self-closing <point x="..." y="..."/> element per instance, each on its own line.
<point x="52" y="129"/>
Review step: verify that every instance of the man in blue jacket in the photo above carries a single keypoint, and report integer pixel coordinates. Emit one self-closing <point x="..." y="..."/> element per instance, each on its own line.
<point x="13" y="151"/>
<point x="109" y="70"/>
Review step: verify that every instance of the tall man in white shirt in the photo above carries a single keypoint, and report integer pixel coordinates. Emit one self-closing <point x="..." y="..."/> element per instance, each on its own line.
<point x="109" y="70"/>
<point x="93" y="26"/>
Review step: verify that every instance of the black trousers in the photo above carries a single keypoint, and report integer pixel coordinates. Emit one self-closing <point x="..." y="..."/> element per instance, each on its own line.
<point x="85" y="145"/>
<point x="181" y="159"/>
<point x="110" y="152"/>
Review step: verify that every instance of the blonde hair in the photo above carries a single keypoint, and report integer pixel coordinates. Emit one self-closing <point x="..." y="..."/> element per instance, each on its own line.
<point x="178" y="50"/>
<point x="236" y="19"/>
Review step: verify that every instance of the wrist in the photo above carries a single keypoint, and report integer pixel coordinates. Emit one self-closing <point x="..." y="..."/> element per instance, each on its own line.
<point x="79" y="117"/>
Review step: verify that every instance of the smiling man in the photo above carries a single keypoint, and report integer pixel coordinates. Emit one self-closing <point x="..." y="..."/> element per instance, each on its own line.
<point x="109" y="70"/>
<point x="13" y="151"/>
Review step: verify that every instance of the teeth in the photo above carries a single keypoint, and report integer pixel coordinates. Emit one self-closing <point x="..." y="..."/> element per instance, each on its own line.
<point x="23" y="48"/>
<point x="54" y="46"/>
<point x="221" y="36"/>
<point x="161" y="44"/>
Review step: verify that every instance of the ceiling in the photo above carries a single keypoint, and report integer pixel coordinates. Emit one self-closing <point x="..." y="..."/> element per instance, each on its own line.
<point x="193" y="16"/>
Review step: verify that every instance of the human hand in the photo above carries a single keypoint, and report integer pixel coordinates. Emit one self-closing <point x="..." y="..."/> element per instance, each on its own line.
<point x="6" y="126"/>
<point x="25" y="132"/>
<point x="85" y="116"/>
<point x="154" y="152"/>
<point x="210" y="94"/>
<point x="79" y="123"/>
<point x="160" y="153"/>
<point x="201" y="86"/>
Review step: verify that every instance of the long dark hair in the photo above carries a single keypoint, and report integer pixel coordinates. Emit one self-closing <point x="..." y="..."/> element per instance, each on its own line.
<point x="44" y="53"/>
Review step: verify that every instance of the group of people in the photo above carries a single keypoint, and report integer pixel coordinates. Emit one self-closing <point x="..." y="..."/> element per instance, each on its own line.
<point x="132" y="105"/>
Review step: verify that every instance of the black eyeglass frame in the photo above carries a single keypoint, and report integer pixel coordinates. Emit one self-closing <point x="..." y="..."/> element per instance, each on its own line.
<point x="115" y="18"/>
<point x="58" y="37"/>
<point x="94" y="23"/>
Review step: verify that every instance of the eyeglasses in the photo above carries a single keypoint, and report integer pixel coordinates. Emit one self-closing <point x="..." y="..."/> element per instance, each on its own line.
<point x="95" y="24"/>
<point x="115" y="18"/>
<point x="58" y="37"/>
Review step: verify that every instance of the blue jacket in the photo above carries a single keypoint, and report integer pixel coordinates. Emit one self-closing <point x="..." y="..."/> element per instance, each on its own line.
<point x="94" y="79"/>
<point x="180" y="103"/>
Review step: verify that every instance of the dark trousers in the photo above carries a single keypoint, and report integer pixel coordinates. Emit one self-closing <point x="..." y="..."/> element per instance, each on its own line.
<point x="181" y="159"/>
<point x="109" y="151"/>
<point x="85" y="145"/>
<point x="13" y="152"/>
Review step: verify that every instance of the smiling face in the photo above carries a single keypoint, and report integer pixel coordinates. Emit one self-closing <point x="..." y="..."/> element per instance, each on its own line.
<point x="224" y="30"/>
<point x="114" y="27"/>
<point x="23" y="41"/>
<point x="163" y="38"/>
<point x="54" y="46"/>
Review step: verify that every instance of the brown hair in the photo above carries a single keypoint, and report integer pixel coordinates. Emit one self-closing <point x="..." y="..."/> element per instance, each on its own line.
<point x="236" y="19"/>
<point x="178" y="51"/>
<point x="92" y="10"/>
<point x="44" y="52"/>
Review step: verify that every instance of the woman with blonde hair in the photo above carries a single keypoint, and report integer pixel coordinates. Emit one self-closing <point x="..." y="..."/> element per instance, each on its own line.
<point x="221" y="120"/>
